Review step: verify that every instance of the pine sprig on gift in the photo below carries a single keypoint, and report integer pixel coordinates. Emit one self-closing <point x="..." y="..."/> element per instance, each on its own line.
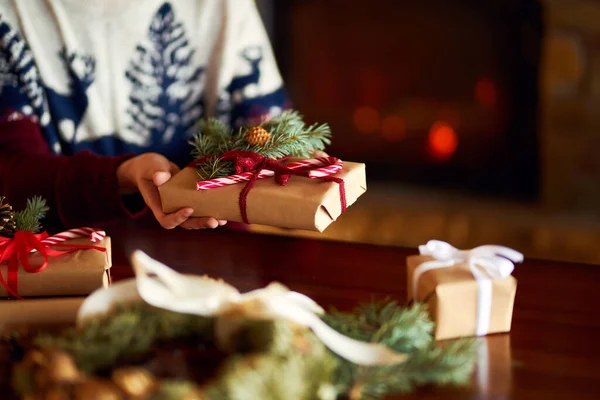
<point x="288" y="136"/>
<point x="214" y="136"/>
<point x="29" y="218"/>
<point x="214" y="168"/>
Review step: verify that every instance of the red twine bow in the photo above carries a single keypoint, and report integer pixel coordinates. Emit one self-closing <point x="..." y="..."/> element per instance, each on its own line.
<point x="16" y="251"/>
<point x="249" y="161"/>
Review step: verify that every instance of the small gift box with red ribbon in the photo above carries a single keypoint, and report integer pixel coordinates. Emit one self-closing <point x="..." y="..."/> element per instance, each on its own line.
<point x="34" y="264"/>
<point x="264" y="175"/>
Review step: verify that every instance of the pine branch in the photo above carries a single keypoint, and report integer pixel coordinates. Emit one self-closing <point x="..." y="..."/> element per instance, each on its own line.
<point x="214" y="168"/>
<point x="407" y="330"/>
<point x="128" y="332"/>
<point x="273" y="359"/>
<point x="403" y="329"/>
<point x="287" y="120"/>
<point x="29" y="218"/>
<point x="451" y="364"/>
<point x="291" y="137"/>
<point x="213" y="138"/>
<point x="302" y="143"/>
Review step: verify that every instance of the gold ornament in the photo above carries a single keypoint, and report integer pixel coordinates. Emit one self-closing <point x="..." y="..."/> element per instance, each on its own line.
<point x="36" y="357"/>
<point x="61" y="368"/>
<point x="7" y="222"/>
<point x="257" y="136"/>
<point x="49" y="368"/>
<point x="136" y="382"/>
<point x="97" y="389"/>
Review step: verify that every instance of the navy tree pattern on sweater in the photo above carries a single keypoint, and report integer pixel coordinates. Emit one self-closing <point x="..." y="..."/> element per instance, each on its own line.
<point x="165" y="102"/>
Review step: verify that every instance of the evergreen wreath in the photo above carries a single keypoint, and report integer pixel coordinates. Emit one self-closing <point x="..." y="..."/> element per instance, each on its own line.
<point x="142" y="352"/>
<point x="283" y="136"/>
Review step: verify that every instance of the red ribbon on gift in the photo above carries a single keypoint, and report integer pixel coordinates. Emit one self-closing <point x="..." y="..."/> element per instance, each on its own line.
<point x="16" y="251"/>
<point x="248" y="161"/>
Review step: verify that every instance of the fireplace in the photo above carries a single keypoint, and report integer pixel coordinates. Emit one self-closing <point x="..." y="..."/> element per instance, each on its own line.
<point x="445" y="94"/>
<point x="425" y="92"/>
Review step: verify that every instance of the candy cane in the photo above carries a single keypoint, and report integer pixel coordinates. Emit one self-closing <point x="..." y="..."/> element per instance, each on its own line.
<point x="93" y="234"/>
<point x="330" y="166"/>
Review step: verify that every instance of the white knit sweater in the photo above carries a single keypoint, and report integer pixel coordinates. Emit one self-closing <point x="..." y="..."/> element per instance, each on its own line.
<point x="115" y="76"/>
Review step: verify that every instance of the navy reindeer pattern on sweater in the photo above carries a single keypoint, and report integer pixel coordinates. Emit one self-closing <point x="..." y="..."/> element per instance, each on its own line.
<point x="143" y="87"/>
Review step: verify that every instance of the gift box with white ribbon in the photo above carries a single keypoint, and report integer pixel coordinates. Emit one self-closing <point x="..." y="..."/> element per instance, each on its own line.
<point x="468" y="292"/>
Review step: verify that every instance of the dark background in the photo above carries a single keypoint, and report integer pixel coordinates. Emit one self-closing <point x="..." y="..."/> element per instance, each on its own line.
<point x="478" y="120"/>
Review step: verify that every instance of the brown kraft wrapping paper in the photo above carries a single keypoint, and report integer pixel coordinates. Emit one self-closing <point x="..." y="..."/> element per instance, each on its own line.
<point x="303" y="203"/>
<point x="451" y="296"/>
<point x="73" y="274"/>
<point x="38" y="313"/>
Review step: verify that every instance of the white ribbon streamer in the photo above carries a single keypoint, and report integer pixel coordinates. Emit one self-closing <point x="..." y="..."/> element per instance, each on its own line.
<point x="162" y="287"/>
<point x="487" y="263"/>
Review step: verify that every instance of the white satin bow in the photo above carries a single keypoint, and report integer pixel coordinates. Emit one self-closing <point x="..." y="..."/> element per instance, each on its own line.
<point x="162" y="287"/>
<point x="488" y="262"/>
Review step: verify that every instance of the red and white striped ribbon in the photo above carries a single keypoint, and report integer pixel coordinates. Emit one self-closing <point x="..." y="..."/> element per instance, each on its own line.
<point x="329" y="166"/>
<point x="94" y="235"/>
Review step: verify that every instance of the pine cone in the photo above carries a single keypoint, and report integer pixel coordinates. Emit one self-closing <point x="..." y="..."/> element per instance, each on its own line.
<point x="257" y="136"/>
<point x="7" y="222"/>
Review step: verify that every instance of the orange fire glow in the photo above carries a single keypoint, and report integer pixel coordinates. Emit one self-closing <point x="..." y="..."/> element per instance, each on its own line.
<point x="366" y="119"/>
<point x="442" y="140"/>
<point x="393" y="128"/>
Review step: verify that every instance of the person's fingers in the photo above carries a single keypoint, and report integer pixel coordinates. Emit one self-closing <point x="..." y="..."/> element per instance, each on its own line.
<point x="200" y="223"/>
<point x="159" y="171"/>
<point x="150" y="194"/>
<point x="160" y="177"/>
<point x="173" y="168"/>
<point x="173" y="220"/>
<point x="152" y="198"/>
<point x="152" y="163"/>
<point x="319" y="153"/>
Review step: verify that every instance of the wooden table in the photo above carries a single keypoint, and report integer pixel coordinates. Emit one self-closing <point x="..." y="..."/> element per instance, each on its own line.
<point x="553" y="351"/>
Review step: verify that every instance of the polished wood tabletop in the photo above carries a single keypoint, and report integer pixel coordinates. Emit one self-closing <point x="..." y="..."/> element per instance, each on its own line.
<point x="553" y="351"/>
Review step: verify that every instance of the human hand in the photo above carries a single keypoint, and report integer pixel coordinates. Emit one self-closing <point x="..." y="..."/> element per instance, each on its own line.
<point x="144" y="174"/>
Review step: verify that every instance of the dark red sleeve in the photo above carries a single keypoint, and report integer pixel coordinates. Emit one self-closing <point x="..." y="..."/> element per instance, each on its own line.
<point x="81" y="190"/>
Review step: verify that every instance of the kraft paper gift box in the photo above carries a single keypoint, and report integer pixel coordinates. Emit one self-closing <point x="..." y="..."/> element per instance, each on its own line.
<point x="304" y="203"/>
<point x="468" y="293"/>
<point x="38" y="313"/>
<point x="72" y="274"/>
